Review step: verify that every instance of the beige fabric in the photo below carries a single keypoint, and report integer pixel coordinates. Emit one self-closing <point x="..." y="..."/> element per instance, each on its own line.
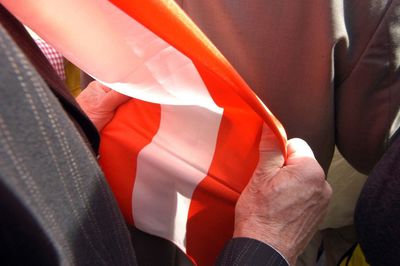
<point x="346" y="184"/>
<point x="337" y="242"/>
<point x="310" y="254"/>
<point x="337" y="231"/>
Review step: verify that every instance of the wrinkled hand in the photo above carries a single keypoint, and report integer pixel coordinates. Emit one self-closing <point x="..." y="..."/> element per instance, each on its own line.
<point x="282" y="206"/>
<point x="99" y="103"/>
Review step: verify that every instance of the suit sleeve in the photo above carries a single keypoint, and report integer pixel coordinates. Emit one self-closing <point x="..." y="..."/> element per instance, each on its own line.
<point x="247" y="251"/>
<point x="367" y="94"/>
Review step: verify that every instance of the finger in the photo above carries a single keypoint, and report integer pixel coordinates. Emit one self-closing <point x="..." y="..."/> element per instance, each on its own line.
<point x="116" y="99"/>
<point x="110" y="98"/>
<point x="298" y="148"/>
<point x="103" y="87"/>
<point x="268" y="142"/>
<point x="97" y="86"/>
<point x="271" y="158"/>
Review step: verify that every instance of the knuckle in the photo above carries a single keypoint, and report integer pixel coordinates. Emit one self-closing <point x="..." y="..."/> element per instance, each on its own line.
<point x="318" y="173"/>
<point x="325" y="194"/>
<point x="315" y="170"/>
<point x="328" y="190"/>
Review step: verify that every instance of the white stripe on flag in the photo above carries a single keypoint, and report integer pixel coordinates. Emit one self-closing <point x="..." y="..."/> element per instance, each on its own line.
<point x="167" y="173"/>
<point x="179" y="156"/>
<point x="168" y="170"/>
<point x="163" y="75"/>
<point x="107" y="44"/>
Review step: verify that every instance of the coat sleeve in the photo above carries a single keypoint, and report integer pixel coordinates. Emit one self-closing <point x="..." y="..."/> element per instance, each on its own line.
<point x="247" y="251"/>
<point x="367" y="80"/>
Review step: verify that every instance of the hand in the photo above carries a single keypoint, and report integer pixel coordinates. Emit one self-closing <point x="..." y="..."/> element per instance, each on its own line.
<point x="99" y="103"/>
<point x="283" y="205"/>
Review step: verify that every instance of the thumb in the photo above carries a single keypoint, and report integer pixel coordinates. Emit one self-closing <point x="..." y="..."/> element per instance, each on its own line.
<point x="271" y="158"/>
<point x="297" y="149"/>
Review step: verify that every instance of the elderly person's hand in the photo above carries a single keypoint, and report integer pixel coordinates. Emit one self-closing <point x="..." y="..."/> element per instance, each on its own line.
<point x="100" y="102"/>
<point x="283" y="205"/>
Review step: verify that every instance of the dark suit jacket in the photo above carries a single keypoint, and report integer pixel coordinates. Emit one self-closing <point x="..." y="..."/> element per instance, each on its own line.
<point x="246" y="251"/>
<point x="377" y="214"/>
<point x="46" y="71"/>
<point x="56" y="208"/>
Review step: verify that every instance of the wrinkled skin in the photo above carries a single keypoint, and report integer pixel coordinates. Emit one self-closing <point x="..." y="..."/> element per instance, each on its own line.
<point x="283" y="205"/>
<point x="99" y="103"/>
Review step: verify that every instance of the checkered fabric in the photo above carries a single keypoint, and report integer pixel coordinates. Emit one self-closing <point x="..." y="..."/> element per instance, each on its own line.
<point x="55" y="58"/>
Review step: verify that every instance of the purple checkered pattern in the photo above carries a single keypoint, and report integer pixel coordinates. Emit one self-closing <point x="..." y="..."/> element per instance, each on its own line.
<point x="55" y="58"/>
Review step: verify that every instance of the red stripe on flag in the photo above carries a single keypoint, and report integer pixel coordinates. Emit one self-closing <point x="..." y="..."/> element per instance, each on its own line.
<point x="140" y="121"/>
<point x="211" y="213"/>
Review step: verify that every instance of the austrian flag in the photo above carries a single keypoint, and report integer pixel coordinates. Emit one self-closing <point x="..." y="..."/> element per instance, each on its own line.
<point x="178" y="154"/>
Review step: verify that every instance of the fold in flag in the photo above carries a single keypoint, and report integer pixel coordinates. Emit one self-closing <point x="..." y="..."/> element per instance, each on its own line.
<point x="178" y="155"/>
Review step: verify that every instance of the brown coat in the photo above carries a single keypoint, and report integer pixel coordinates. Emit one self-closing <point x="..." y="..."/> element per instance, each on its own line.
<point x="327" y="69"/>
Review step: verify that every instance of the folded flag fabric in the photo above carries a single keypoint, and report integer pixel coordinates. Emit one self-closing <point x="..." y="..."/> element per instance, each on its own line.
<point x="180" y="152"/>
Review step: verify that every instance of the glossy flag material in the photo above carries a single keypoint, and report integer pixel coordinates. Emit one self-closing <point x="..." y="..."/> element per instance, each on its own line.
<point x="180" y="152"/>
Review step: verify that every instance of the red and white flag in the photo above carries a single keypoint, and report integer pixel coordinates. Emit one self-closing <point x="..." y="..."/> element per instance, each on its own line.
<point x="178" y="155"/>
